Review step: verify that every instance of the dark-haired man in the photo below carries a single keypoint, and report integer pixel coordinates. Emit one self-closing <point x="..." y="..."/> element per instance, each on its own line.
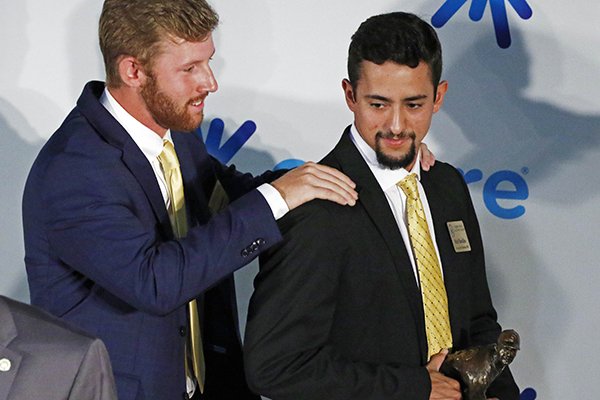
<point x="364" y="302"/>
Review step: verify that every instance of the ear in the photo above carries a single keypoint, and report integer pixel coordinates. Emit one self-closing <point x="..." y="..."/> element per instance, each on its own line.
<point x="439" y="96"/>
<point x="349" y="94"/>
<point x="131" y="72"/>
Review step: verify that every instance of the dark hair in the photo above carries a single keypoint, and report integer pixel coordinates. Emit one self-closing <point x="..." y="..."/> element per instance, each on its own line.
<point x="400" y="37"/>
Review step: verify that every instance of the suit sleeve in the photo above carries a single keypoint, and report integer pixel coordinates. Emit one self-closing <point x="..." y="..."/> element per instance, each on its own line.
<point x="288" y="353"/>
<point x="237" y="184"/>
<point x="94" y="380"/>
<point x="99" y="223"/>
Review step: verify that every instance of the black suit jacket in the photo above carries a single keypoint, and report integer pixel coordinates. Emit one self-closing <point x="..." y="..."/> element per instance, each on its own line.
<point x="337" y="313"/>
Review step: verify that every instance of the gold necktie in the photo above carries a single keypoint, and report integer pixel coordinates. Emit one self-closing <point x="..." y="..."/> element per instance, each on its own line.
<point x="177" y="215"/>
<point x="435" y="299"/>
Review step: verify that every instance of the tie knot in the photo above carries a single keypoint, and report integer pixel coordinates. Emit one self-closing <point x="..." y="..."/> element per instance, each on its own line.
<point x="409" y="186"/>
<point x="168" y="157"/>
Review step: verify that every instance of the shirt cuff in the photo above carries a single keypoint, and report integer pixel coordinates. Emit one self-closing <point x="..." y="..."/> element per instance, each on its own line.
<point x="278" y="205"/>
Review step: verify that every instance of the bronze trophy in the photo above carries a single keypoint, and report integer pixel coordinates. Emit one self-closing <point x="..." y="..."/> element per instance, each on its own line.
<point x="477" y="367"/>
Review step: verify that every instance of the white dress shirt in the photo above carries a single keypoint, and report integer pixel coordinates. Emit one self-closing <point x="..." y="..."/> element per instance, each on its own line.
<point x="152" y="145"/>
<point x="387" y="179"/>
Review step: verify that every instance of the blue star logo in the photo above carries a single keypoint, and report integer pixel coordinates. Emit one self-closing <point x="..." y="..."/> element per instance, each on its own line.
<point x="499" y="15"/>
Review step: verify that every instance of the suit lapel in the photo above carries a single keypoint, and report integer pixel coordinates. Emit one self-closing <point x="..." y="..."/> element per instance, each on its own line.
<point x="195" y="196"/>
<point x="8" y="332"/>
<point x="132" y="157"/>
<point x="373" y="200"/>
<point x="137" y="163"/>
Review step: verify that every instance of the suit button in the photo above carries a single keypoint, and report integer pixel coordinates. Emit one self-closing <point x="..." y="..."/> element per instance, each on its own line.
<point x="182" y="331"/>
<point x="254" y="247"/>
<point x="245" y="253"/>
<point x="5" y="365"/>
<point x="260" y="241"/>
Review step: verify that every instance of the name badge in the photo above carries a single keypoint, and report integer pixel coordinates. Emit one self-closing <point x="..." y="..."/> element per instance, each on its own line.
<point x="458" y="234"/>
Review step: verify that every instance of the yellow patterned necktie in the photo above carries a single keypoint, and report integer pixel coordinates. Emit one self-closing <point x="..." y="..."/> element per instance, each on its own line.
<point x="435" y="299"/>
<point x="170" y="166"/>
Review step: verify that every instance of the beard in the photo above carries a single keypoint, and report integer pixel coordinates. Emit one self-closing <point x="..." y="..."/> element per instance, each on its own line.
<point x="166" y="112"/>
<point x="397" y="162"/>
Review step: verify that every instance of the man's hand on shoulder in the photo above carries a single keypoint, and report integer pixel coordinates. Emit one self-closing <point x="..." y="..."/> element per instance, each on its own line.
<point x="442" y="387"/>
<point x="427" y="157"/>
<point x="314" y="181"/>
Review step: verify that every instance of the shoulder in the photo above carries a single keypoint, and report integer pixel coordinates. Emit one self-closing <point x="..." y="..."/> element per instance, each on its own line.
<point x="75" y="149"/>
<point x="311" y="216"/>
<point x="444" y="177"/>
<point x="442" y="171"/>
<point x="37" y="327"/>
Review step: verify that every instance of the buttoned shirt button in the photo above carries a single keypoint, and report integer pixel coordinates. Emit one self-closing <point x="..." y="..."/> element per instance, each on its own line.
<point x="5" y="365"/>
<point x="182" y="331"/>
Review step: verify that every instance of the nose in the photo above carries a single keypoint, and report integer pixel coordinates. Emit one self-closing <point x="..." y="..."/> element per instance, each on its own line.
<point x="396" y="124"/>
<point x="207" y="81"/>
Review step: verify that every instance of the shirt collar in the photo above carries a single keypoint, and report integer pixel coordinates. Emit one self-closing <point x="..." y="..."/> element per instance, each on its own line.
<point x="385" y="177"/>
<point x="146" y="139"/>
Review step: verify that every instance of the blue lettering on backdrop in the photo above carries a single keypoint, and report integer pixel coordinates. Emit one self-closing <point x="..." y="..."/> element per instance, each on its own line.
<point x="499" y="15"/>
<point x="494" y="189"/>
<point x="528" y="394"/>
<point x="215" y="134"/>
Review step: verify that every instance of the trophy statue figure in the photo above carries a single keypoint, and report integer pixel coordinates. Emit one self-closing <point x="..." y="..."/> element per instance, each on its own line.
<point x="477" y="367"/>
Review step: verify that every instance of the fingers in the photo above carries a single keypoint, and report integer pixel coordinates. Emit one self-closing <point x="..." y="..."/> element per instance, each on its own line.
<point x="329" y="173"/>
<point x="311" y="181"/>
<point x="436" y="360"/>
<point x="427" y="157"/>
<point x="443" y="388"/>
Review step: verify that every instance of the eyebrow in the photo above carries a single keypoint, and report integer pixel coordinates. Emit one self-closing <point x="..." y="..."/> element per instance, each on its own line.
<point x="417" y="97"/>
<point x="383" y="98"/>
<point x="196" y="61"/>
<point x="377" y="97"/>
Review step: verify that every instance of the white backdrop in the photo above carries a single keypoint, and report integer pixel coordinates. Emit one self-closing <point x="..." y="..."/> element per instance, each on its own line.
<point x="522" y="122"/>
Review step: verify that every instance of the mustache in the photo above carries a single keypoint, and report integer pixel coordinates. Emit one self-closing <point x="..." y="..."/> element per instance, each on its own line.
<point x="401" y="135"/>
<point x="199" y="98"/>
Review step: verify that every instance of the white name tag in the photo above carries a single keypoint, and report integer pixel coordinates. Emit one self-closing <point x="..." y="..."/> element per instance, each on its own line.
<point x="458" y="234"/>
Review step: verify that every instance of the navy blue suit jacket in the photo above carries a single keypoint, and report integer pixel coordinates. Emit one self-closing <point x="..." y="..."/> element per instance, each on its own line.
<point x="100" y="251"/>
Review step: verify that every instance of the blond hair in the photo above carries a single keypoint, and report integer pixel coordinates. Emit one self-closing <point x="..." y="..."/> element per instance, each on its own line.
<point x="136" y="28"/>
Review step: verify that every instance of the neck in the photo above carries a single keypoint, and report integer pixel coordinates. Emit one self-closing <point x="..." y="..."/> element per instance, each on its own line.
<point x="132" y="101"/>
